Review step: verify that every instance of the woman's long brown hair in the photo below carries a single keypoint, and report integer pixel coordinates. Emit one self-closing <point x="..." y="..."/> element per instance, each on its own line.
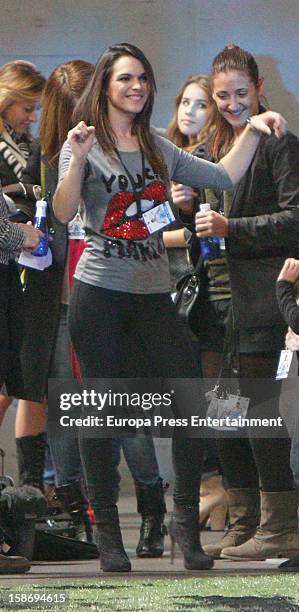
<point x="63" y="88"/>
<point x="93" y="109"/>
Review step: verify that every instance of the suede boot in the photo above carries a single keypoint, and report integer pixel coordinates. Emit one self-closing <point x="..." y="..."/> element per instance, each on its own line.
<point x="213" y="505"/>
<point x="151" y="506"/>
<point x="184" y="530"/>
<point x="244" y="517"/>
<point x="277" y="534"/>
<point x="31" y="459"/>
<point x="109" y="541"/>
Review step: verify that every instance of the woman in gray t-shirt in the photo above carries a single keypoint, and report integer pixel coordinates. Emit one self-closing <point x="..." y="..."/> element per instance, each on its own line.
<point x="122" y="320"/>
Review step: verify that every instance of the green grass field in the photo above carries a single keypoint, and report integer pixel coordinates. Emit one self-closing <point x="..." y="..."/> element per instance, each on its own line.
<point x="275" y="593"/>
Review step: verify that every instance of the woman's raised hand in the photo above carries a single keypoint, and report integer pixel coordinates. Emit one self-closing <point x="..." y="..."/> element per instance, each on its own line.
<point x="182" y="197"/>
<point x="80" y="139"/>
<point x="290" y="270"/>
<point x="270" y="120"/>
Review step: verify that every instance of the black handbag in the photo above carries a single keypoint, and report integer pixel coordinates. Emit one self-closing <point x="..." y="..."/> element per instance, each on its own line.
<point x="187" y="294"/>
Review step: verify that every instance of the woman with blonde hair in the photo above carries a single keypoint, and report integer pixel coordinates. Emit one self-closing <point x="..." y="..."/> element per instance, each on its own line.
<point x="21" y="86"/>
<point x="45" y="350"/>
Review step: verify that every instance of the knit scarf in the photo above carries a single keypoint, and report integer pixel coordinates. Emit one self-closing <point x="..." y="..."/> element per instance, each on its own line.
<point x="15" y="150"/>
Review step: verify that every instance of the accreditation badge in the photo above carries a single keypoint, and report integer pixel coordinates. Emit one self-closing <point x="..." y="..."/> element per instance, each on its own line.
<point x="75" y="228"/>
<point x="158" y="218"/>
<point x="284" y="364"/>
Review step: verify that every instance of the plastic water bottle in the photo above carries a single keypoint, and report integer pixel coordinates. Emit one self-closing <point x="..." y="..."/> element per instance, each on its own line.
<point x="210" y="246"/>
<point x="40" y="222"/>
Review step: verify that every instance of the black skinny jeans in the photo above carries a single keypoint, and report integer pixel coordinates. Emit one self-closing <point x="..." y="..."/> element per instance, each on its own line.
<point x="123" y="335"/>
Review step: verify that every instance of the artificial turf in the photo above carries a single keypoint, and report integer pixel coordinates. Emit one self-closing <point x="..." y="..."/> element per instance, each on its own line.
<point x="273" y="593"/>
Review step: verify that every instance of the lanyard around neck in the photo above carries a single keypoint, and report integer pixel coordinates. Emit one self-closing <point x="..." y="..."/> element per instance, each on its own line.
<point x="134" y="185"/>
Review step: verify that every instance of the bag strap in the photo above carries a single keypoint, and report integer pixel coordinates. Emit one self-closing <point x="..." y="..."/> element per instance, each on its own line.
<point x="43" y="171"/>
<point x="198" y="266"/>
<point x="230" y="364"/>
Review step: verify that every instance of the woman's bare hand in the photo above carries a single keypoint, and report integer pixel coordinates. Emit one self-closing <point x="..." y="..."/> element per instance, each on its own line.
<point x="211" y="223"/>
<point x="182" y="197"/>
<point x="32" y="236"/>
<point x="80" y="139"/>
<point x="270" y="120"/>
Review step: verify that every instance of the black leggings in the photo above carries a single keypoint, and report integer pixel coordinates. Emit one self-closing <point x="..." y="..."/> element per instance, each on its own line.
<point x="117" y="334"/>
<point x="11" y="329"/>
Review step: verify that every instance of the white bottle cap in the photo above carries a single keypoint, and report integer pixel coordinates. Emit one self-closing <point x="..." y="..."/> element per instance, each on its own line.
<point x="41" y="205"/>
<point x="205" y="207"/>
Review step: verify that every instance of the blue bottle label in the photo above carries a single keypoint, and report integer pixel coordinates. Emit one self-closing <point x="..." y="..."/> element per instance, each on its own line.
<point x="42" y="249"/>
<point x="210" y="248"/>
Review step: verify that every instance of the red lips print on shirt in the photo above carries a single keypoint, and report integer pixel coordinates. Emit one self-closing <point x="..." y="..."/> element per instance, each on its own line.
<point x="117" y="222"/>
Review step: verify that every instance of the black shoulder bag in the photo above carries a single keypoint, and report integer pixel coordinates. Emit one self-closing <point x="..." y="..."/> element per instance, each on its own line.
<point x="188" y="292"/>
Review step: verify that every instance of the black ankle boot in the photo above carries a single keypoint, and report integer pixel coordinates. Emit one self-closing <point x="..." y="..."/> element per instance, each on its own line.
<point x="112" y="553"/>
<point x="151" y="506"/>
<point x="291" y="565"/>
<point x="74" y="501"/>
<point x="31" y="459"/>
<point x="184" y="530"/>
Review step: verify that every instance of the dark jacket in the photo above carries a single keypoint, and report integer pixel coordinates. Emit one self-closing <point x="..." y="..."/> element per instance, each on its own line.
<point x="42" y="294"/>
<point x="286" y="296"/>
<point x="263" y="231"/>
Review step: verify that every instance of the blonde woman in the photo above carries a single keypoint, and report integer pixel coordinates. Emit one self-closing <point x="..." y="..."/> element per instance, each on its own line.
<point x="21" y="85"/>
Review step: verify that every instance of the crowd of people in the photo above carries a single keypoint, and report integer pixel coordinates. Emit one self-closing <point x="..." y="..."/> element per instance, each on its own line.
<point x="103" y="308"/>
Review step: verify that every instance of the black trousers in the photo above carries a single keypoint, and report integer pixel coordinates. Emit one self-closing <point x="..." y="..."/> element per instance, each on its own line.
<point x="256" y="460"/>
<point x="11" y="329"/>
<point x="122" y="335"/>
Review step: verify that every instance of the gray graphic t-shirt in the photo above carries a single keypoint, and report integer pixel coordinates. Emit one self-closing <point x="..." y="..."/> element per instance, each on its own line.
<point x="120" y="254"/>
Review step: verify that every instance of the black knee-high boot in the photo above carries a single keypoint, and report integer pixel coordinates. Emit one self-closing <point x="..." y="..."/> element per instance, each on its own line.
<point x="31" y="459"/>
<point x="97" y="461"/>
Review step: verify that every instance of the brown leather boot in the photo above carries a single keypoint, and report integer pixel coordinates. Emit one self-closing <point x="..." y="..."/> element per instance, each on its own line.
<point x="244" y="516"/>
<point x="277" y="534"/>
